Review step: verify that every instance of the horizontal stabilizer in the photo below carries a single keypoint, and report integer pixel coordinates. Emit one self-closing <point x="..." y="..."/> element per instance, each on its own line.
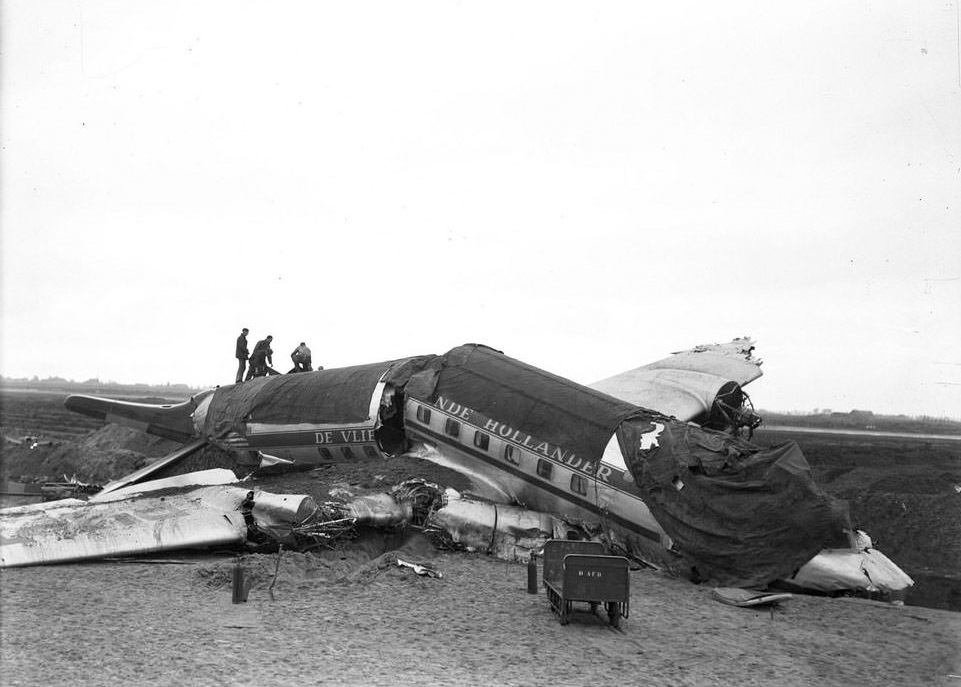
<point x="170" y="421"/>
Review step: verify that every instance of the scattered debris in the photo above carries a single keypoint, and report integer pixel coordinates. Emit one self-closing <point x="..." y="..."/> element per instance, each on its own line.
<point x="201" y="509"/>
<point x="70" y="487"/>
<point x="735" y="596"/>
<point x="9" y="488"/>
<point x="420" y="568"/>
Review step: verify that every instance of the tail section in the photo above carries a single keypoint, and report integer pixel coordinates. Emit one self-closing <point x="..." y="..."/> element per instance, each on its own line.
<point x="170" y="421"/>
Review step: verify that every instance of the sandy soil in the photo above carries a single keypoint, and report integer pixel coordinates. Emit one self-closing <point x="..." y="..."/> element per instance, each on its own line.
<point x="357" y="618"/>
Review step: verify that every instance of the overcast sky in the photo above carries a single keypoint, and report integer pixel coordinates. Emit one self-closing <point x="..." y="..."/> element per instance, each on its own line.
<point x="585" y="186"/>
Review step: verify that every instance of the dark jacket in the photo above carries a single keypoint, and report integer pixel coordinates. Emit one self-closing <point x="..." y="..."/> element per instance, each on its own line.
<point x="242" y="352"/>
<point x="261" y="352"/>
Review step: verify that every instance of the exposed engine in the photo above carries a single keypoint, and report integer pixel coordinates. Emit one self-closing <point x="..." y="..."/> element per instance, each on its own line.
<point x="733" y="412"/>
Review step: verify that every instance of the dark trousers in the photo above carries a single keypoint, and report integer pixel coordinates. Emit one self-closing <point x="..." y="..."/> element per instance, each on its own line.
<point x="241" y="366"/>
<point x="260" y="368"/>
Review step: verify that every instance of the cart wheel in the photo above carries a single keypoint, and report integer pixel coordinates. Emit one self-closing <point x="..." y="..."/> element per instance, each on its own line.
<point x="614" y="613"/>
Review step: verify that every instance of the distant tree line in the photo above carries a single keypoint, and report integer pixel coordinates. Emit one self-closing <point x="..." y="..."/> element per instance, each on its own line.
<point x="865" y="420"/>
<point x="94" y="386"/>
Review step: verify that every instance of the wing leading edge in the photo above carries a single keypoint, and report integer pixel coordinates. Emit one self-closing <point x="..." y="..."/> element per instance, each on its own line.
<point x="687" y="384"/>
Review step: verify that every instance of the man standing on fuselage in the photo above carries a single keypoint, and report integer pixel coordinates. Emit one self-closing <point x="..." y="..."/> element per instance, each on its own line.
<point x="242" y="354"/>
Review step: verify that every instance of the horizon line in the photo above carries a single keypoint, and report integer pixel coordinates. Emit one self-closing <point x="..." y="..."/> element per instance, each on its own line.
<point x="817" y="411"/>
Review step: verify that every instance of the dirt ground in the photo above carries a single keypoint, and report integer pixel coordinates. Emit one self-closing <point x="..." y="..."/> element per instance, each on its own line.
<point x="357" y="618"/>
<point x="906" y="494"/>
<point x="354" y="617"/>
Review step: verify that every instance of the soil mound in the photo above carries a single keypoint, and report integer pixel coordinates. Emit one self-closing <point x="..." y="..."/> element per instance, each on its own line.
<point x="100" y="456"/>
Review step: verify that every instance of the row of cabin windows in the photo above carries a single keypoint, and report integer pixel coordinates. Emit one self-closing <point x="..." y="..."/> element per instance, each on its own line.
<point x="578" y="482"/>
<point x="482" y="441"/>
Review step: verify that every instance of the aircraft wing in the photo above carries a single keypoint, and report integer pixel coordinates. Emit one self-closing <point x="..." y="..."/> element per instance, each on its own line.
<point x="686" y="384"/>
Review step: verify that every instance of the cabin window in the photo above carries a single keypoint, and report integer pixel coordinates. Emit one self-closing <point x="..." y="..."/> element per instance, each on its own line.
<point x="369" y="450"/>
<point x="578" y="484"/>
<point x="325" y="452"/>
<point x="544" y="468"/>
<point x="481" y="440"/>
<point x="452" y="427"/>
<point x="511" y="455"/>
<point x="423" y="414"/>
<point x="347" y="451"/>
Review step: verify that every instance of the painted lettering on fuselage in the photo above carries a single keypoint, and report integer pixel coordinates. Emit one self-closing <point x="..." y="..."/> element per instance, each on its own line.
<point x="504" y="431"/>
<point x="344" y="436"/>
<point x="455" y="409"/>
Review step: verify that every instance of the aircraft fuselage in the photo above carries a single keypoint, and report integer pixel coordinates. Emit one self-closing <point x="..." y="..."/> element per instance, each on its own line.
<point x="536" y="474"/>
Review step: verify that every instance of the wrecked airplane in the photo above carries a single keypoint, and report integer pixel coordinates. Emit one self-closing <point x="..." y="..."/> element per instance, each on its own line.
<point x="657" y="461"/>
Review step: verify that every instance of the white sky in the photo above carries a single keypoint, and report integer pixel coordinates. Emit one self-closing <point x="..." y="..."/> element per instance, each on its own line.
<point x="585" y="186"/>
